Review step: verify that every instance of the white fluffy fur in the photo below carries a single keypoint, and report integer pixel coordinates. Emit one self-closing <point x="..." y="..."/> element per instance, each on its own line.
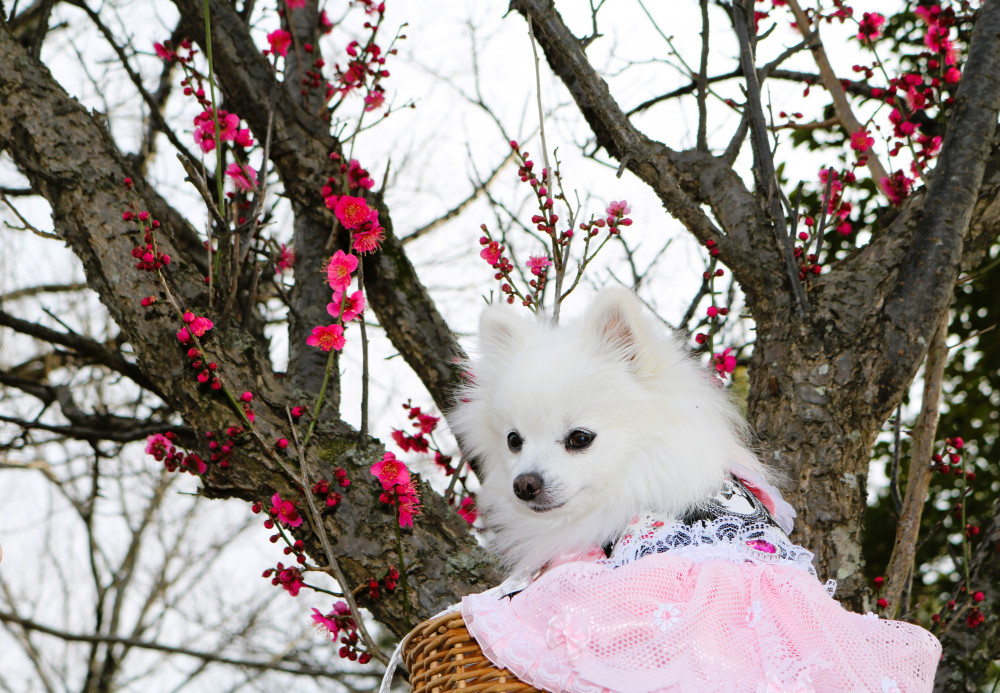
<point x="666" y="435"/>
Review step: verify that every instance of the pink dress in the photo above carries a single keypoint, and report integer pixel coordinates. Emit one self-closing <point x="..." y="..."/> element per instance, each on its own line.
<point x="718" y="601"/>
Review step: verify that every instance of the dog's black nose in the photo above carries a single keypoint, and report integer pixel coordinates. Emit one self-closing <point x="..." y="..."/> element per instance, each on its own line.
<point x="527" y="486"/>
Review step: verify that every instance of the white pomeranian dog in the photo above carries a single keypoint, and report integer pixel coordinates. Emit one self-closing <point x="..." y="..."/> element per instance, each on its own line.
<point x="579" y="428"/>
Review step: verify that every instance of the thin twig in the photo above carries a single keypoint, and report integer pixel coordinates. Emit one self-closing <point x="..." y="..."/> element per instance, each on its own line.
<point x="334" y="565"/>
<point x="764" y="163"/>
<point x="832" y="84"/>
<point x="897" y="435"/>
<point x="919" y="477"/>
<point x="301" y="670"/>
<point x="703" y="81"/>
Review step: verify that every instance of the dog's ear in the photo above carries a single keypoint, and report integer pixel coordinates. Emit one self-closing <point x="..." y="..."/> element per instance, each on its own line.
<point x="615" y="320"/>
<point x="500" y="330"/>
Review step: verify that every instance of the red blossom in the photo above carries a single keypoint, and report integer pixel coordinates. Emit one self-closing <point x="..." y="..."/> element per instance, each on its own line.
<point x="279" y="41"/>
<point x="327" y="337"/>
<point x="352" y="212"/>
<point x="353" y="307"/>
<point x="870" y="27"/>
<point x="243" y="177"/>
<point x="861" y="141"/>
<point x="285" y="511"/>
<point x="339" y="268"/>
<point x="390" y="471"/>
<point x="369" y="237"/>
<point x="468" y="509"/>
<point x="289" y="578"/>
<point x="286" y="259"/>
<point x="198" y="326"/>
<point x="537" y="264"/>
<point x="491" y="253"/>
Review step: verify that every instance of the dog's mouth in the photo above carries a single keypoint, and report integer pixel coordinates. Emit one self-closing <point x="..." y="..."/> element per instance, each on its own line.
<point x="544" y="506"/>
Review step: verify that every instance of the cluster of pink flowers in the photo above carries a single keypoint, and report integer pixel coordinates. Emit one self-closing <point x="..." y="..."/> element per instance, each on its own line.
<point x="244" y="178"/>
<point x="338" y="274"/>
<point x="909" y="95"/>
<point x="222" y="447"/>
<point x="321" y="489"/>
<point x="289" y="578"/>
<point x="714" y="313"/>
<point x="206" y="371"/>
<point x="195" y="325"/>
<point x="467" y="509"/>
<point x="938" y="36"/>
<point x="150" y="259"/>
<point x="397" y="488"/>
<point x="389" y="582"/>
<point x="285" y="511"/>
<point x="870" y="27"/>
<point x="950" y="461"/>
<point x="724" y="363"/>
<point x="341" y="622"/>
<point x="365" y="67"/>
<point x="545" y="221"/>
<point x="161" y="447"/>
<point x="616" y="212"/>
<point x="285" y="260"/>
<point x="356" y="216"/>
<point x="425" y="425"/>
<point x="229" y="130"/>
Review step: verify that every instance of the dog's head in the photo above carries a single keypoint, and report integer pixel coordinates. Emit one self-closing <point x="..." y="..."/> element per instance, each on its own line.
<point x="579" y="427"/>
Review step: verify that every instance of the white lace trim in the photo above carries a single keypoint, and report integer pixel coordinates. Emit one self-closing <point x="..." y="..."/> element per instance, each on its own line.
<point x="727" y="537"/>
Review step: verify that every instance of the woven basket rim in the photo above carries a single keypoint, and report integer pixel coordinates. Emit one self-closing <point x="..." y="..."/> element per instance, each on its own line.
<point x="441" y="654"/>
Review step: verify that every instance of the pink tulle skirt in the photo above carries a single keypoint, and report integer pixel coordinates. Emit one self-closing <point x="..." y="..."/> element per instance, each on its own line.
<point x="670" y="623"/>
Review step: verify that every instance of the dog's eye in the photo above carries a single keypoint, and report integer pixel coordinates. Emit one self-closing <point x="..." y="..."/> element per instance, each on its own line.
<point x="579" y="439"/>
<point x="514" y="441"/>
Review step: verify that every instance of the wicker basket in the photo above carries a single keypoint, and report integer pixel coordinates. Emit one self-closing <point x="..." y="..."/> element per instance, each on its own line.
<point x="441" y="655"/>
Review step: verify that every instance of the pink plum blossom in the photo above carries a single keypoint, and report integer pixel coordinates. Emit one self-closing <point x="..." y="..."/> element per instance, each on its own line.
<point x="338" y="270"/>
<point x="327" y="337"/>
<point x="369" y="237"/>
<point x="197" y="327"/>
<point x="279" y="40"/>
<point x="724" y="362"/>
<point x="861" y="141"/>
<point x="328" y="624"/>
<point x="491" y="253"/>
<point x="409" y="505"/>
<point x="468" y="509"/>
<point x="537" y="264"/>
<point x="352" y="212"/>
<point x="159" y="446"/>
<point x="618" y="209"/>
<point x="870" y="27"/>
<point x="374" y="100"/>
<point x="286" y="259"/>
<point x="285" y="511"/>
<point x="355" y="305"/>
<point x="244" y="177"/>
<point x="391" y="472"/>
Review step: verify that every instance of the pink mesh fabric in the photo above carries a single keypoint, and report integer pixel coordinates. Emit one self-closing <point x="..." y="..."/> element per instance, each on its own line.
<point x="672" y="622"/>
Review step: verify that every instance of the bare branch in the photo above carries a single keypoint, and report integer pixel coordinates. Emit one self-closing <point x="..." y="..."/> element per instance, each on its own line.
<point x="767" y="180"/>
<point x="278" y="665"/>
<point x="832" y="83"/>
<point x="899" y="569"/>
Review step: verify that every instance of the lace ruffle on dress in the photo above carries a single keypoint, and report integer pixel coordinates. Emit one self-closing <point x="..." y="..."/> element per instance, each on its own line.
<point x="718" y="600"/>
